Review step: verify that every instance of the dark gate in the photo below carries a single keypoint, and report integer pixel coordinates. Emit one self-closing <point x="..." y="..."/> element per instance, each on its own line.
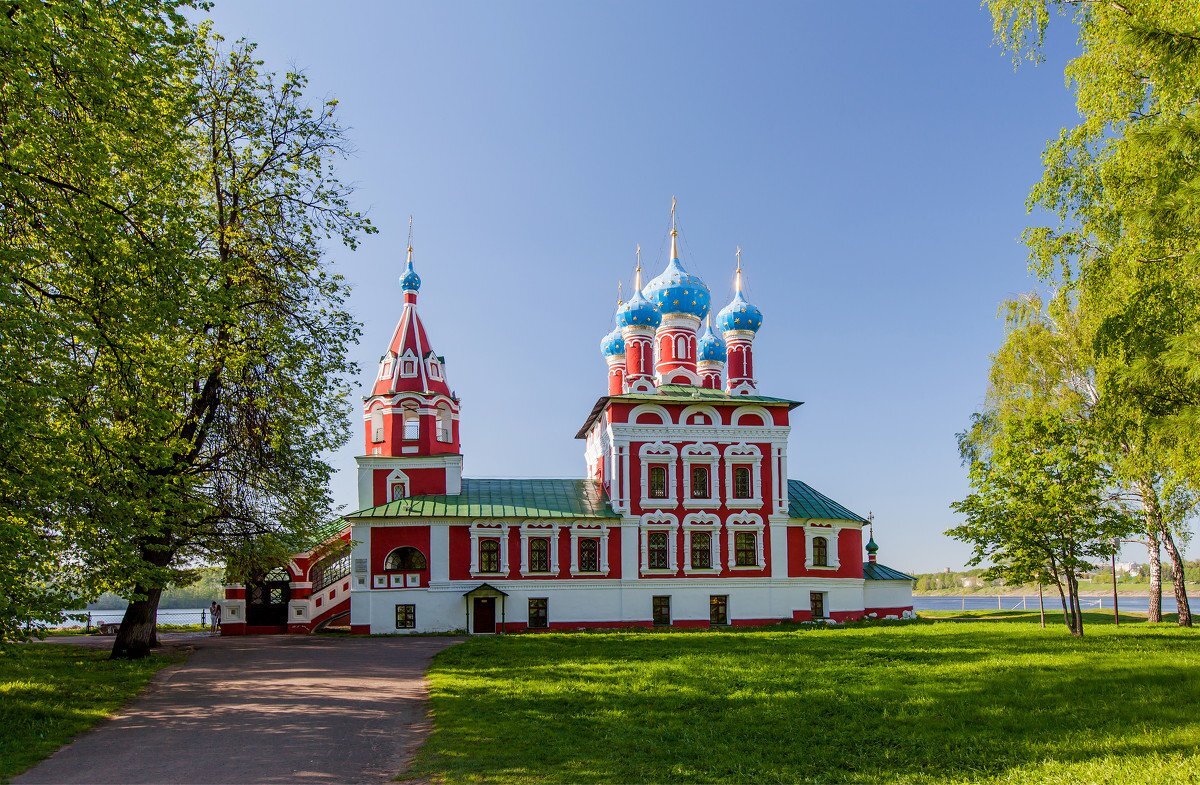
<point x="267" y="599"/>
<point x="484" y="616"/>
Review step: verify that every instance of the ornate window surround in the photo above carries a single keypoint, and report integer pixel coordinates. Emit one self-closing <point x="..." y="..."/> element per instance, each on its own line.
<point x="831" y="535"/>
<point x="705" y="522"/>
<point x="484" y="531"/>
<point x="745" y="522"/>
<point x="397" y="476"/>
<point x="742" y="454"/>
<point x="708" y="455"/>
<point x="408" y="360"/>
<point x="659" y="521"/>
<point x="584" y="530"/>
<point x="658" y="452"/>
<point x="530" y="531"/>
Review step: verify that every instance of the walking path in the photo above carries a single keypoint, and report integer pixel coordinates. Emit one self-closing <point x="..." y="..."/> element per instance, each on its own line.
<point x="266" y="709"/>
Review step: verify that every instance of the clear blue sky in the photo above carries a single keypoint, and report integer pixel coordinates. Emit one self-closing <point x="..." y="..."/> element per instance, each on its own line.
<point x="872" y="160"/>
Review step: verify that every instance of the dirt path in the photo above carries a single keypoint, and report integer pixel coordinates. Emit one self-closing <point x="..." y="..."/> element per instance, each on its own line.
<point x="269" y="709"/>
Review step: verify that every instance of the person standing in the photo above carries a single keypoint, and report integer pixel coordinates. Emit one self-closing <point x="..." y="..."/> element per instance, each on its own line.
<point x="214" y="622"/>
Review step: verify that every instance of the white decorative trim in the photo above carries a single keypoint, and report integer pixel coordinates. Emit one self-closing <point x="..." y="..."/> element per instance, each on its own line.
<point x="650" y="408"/>
<point x="714" y="417"/>
<point x="533" y="530"/>
<point x="705" y="522"/>
<point x="659" y="521"/>
<point x="742" y="454"/>
<point x="480" y="531"/>
<point x="658" y="452"/>
<point x="745" y="522"/>
<point x="709" y="455"/>
<point x="589" y="530"/>
<point x="741" y="411"/>
<point x="831" y="535"/>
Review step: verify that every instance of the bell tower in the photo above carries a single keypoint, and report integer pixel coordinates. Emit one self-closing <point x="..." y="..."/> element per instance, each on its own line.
<point x="410" y="419"/>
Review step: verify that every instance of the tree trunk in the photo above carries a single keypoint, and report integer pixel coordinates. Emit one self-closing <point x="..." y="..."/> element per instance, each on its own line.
<point x="1041" y="606"/>
<point x="138" y="632"/>
<point x="1154" y="554"/>
<point x="1067" y="608"/>
<point x="1076" y="610"/>
<point x="1181" y="598"/>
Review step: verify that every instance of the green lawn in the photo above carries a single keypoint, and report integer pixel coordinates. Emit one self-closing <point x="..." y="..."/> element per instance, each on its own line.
<point x="51" y="692"/>
<point x="996" y="700"/>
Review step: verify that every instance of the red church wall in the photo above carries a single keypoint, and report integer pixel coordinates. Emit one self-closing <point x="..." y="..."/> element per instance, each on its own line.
<point x="460" y="553"/>
<point x="849" y="545"/>
<point x="385" y="539"/>
<point x="421" y="481"/>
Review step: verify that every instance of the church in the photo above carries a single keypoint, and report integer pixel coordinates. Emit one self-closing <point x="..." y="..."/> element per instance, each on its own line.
<point x="685" y="518"/>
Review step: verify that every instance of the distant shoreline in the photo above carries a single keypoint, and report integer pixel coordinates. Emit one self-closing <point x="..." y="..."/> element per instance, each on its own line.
<point x="1168" y="591"/>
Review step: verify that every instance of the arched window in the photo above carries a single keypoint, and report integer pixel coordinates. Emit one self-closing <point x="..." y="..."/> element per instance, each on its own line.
<point x="742" y="488"/>
<point x="658" y="482"/>
<point x="405" y="559"/>
<point x="489" y="556"/>
<point x="377" y="426"/>
<point x="820" y="552"/>
<point x="745" y="546"/>
<point x="701" y="550"/>
<point x="412" y="422"/>
<point x="399" y="490"/>
<point x="539" y="555"/>
<point x="445" y="426"/>
<point x="681" y="347"/>
<point x="700" y="488"/>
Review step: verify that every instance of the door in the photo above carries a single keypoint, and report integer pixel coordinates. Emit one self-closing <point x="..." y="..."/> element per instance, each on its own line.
<point x="816" y="599"/>
<point x="718" y="609"/>
<point x="483" y="615"/>
<point x="267" y="599"/>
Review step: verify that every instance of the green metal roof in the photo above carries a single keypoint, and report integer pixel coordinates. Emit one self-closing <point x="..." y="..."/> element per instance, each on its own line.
<point x="682" y="393"/>
<point x="874" y="571"/>
<point x="503" y="499"/>
<point x="804" y="501"/>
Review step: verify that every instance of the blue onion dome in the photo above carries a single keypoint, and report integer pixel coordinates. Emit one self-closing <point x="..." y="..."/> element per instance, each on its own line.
<point x="410" y="281"/>
<point x="638" y="312"/>
<point x="711" y="347"/>
<point x="676" y="290"/>
<point x="739" y="315"/>
<point x="613" y="345"/>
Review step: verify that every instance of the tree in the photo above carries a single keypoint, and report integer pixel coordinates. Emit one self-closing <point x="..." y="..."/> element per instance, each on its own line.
<point x="250" y="384"/>
<point x="93" y="107"/>
<point x="1122" y="185"/>
<point x="1038" y="510"/>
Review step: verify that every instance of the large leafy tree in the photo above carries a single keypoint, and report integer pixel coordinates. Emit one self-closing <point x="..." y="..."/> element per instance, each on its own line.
<point x="93" y="183"/>
<point x="248" y="389"/>
<point x="174" y="342"/>
<point x="1124" y="185"/>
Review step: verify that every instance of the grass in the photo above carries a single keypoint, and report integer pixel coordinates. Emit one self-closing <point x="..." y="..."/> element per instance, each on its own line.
<point x="51" y="692"/>
<point x="999" y="701"/>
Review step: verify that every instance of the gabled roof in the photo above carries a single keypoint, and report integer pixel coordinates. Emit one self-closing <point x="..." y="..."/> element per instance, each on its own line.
<point x="682" y="393"/>
<point x="804" y="501"/>
<point x="577" y="499"/>
<point x="874" y="571"/>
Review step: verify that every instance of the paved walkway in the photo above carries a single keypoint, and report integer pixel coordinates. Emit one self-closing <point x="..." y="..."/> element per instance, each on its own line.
<point x="264" y="709"/>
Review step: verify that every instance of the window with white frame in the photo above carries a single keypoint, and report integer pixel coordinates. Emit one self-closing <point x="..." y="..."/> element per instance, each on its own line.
<point x="435" y="368"/>
<point x="408" y="364"/>
<point x="589" y="549"/>
<point x="681" y="347"/>
<point x="377" y="426"/>
<point x="539" y="552"/>
<point x="658" y="536"/>
<point x="745" y="541"/>
<point x="743" y="476"/>
<point x="385" y="366"/>
<point x="399" y="490"/>
<point x="820" y="548"/>
<point x="700" y="464"/>
<point x="489" y="549"/>
<point x="702" y="550"/>
<point x="658" y="461"/>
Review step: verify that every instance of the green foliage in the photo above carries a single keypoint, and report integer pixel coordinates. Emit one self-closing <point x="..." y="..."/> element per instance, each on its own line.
<point x="51" y="693"/>
<point x="174" y="346"/>
<point x="982" y="701"/>
<point x="1124" y="253"/>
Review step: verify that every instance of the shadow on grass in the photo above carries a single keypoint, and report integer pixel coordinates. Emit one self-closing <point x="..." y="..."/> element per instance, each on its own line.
<point x="920" y="702"/>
